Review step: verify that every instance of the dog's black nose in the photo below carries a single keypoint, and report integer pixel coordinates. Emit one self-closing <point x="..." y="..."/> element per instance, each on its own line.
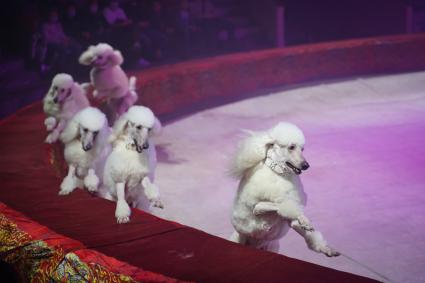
<point x="146" y="145"/>
<point x="87" y="147"/>
<point x="305" y="165"/>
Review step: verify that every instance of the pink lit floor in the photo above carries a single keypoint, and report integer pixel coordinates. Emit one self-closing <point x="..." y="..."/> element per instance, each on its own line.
<point x="366" y="184"/>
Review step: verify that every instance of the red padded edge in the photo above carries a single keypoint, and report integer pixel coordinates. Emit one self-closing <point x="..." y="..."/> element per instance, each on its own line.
<point x="178" y="88"/>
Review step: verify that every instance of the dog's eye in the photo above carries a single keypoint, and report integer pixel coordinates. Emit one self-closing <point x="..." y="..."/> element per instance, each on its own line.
<point x="291" y="147"/>
<point x="62" y="90"/>
<point x="85" y="130"/>
<point x="55" y="88"/>
<point x="150" y="129"/>
<point x="95" y="133"/>
<point x="139" y="127"/>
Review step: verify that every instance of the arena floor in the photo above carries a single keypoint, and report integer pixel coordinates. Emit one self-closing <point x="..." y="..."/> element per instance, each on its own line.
<point x="366" y="147"/>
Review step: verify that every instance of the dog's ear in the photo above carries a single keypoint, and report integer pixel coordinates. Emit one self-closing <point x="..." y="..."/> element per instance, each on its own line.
<point x="251" y="151"/>
<point x="87" y="56"/>
<point x="271" y="144"/>
<point x="157" y="127"/>
<point x="70" y="132"/>
<point x="116" y="58"/>
<point x="101" y="143"/>
<point x="79" y="95"/>
<point x="118" y="128"/>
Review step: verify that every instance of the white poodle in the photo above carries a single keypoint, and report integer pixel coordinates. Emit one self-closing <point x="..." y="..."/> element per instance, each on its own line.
<point x="64" y="98"/>
<point x="86" y="148"/>
<point x="131" y="164"/>
<point x="109" y="80"/>
<point x="270" y="196"/>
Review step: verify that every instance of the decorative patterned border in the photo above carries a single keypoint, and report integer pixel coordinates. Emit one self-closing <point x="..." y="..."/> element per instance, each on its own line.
<point x="41" y="255"/>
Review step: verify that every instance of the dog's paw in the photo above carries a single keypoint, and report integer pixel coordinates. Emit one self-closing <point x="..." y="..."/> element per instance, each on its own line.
<point x="49" y="139"/>
<point x="305" y="223"/>
<point x="157" y="203"/>
<point x="91" y="182"/>
<point x="68" y="186"/>
<point x="65" y="191"/>
<point x="52" y="137"/>
<point x="50" y="123"/>
<point x="86" y="86"/>
<point x="122" y="212"/>
<point x="123" y="220"/>
<point x="328" y="251"/>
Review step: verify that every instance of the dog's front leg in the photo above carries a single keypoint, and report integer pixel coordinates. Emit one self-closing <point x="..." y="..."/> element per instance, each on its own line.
<point x="101" y="93"/>
<point x="265" y="207"/>
<point x="86" y="86"/>
<point x="288" y="209"/>
<point x="314" y="240"/>
<point x="50" y="123"/>
<point x="91" y="181"/>
<point x="69" y="183"/>
<point x="122" y="211"/>
<point x="54" y="134"/>
<point x="152" y="192"/>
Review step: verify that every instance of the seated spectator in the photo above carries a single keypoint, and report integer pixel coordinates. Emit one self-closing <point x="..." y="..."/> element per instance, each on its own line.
<point x="142" y="46"/>
<point x="115" y="15"/>
<point x="52" y="30"/>
<point x="120" y="28"/>
<point x="71" y="21"/>
<point x="158" y="29"/>
<point x="92" y="24"/>
<point x="58" y="43"/>
<point x="186" y="28"/>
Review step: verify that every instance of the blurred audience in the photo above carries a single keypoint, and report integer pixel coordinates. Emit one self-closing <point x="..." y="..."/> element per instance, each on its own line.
<point x="146" y="31"/>
<point x="186" y="28"/>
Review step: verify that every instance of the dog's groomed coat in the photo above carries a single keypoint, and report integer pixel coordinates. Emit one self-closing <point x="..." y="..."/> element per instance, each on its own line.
<point x="86" y="147"/>
<point x="109" y="80"/>
<point x="270" y="197"/>
<point x="130" y="166"/>
<point x="64" y="98"/>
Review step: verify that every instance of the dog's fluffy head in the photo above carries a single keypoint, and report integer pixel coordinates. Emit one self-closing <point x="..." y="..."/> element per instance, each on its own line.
<point x="63" y="80"/>
<point x="91" y="118"/>
<point x="89" y="126"/>
<point x="140" y="115"/>
<point x="138" y="123"/>
<point x="287" y="133"/>
<point x="285" y="140"/>
<point x="60" y="89"/>
<point x="101" y="56"/>
<point x="63" y="87"/>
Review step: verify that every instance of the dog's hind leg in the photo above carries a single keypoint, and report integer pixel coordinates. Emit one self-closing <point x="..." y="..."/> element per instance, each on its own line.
<point x="272" y="246"/>
<point x="122" y="211"/>
<point x="69" y="183"/>
<point x="236" y="237"/>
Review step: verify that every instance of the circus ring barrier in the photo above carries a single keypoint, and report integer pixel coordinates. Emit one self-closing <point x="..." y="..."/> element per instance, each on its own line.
<point x="43" y="235"/>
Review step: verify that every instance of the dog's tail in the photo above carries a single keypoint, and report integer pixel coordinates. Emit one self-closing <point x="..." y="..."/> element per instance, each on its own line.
<point x="132" y="85"/>
<point x="251" y="150"/>
<point x="132" y="94"/>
